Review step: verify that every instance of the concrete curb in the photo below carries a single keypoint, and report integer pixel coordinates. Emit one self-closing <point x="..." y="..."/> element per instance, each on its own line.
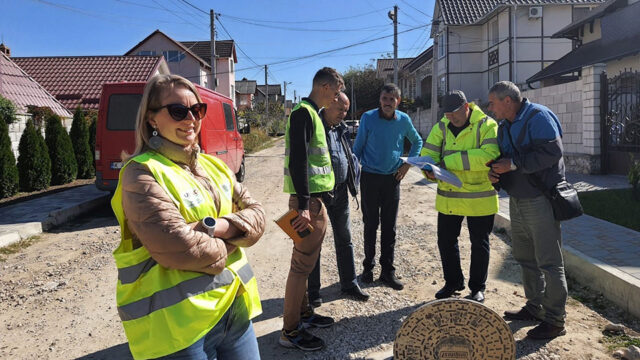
<point x="13" y="233"/>
<point x="617" y="286"/>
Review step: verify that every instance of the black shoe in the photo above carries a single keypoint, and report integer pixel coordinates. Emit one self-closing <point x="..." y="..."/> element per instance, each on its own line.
<point x="311" y="319"/>
<point x="366" y="277"/>
<point x="300" y="338"/>
<point x="522" y="314"/>
<point x="546" y="331"/>
<point x="315" y="302"/>
<point x="448" y="291"/>
<point x="391" y="280"/>
<point x="356" y="293"/>
<point x="476" y="296"/>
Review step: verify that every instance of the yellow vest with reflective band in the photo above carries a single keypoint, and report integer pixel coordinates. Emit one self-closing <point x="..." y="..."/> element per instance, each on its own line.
<point x="166" y="310"/>
<point x="465" y="156"/>
<point x="319" y="168"/>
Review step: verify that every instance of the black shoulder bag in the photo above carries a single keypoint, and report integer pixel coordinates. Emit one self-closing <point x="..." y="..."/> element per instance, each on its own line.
<point x="563" y="196"/>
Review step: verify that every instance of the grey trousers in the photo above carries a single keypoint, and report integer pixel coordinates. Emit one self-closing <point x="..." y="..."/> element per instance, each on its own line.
<point x="537" y="246"/>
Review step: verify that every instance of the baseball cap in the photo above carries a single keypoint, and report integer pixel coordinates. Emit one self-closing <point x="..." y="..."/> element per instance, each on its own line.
<point x="453" y="100"/>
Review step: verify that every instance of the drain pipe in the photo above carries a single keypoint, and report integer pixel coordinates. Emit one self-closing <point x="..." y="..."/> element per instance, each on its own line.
<point x="515" y="45"/>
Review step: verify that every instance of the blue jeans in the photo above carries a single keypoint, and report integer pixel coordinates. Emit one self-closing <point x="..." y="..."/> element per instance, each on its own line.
<point x="231" y="338"/>
<point x="338" y="210"/>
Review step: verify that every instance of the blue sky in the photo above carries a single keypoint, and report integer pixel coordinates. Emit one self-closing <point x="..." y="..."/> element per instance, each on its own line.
<point x="269" y="32"/>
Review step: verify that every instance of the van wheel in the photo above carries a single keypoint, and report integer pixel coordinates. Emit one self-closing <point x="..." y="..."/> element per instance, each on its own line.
<point x="240" y="174"/>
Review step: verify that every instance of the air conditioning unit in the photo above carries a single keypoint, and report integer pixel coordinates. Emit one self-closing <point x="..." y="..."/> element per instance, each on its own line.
<point x="535" y="12"/>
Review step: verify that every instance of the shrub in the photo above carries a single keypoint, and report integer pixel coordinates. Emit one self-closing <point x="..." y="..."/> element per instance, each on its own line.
<point x="634" y="178"/>
<point x="81" y="147"/>
<point x="8" y="168"/>
<point x="39" y="114"/>
<point x="93" y="123"/>
<point x="7" y="111"/>
<point x="63" y="162"/>
<point x="34" y="164"/>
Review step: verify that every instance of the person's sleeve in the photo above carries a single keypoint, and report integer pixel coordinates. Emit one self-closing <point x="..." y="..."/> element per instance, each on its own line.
<point x="156" y="222"/>
<point x="433" y="144"/>
<point x="361" y="138"/>
<point x="248" y="216"/>
<point x="546" y="145"/>
<point x="414" y="138"/>
<point x="475" y="159"/>
<point x="300" y="129"/>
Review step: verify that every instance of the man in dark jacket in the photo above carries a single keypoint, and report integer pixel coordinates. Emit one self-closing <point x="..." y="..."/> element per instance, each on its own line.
<point x="344" y="168"/>
<point x="530" y="140"/>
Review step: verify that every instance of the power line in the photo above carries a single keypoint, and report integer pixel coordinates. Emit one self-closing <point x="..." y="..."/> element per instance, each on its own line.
<point x="374" y="27"/>
<point x="301" y="21"/>
<point x="416" y="9"/>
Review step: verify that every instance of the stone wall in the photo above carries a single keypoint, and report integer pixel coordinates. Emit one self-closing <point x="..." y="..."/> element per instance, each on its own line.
<point x="421" y="119"/>
<point x="577" y="105"/>
<point x="17" y="128"/>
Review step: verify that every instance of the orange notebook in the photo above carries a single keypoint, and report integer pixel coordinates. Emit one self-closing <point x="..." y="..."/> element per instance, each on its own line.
<point x="284" y="222"/>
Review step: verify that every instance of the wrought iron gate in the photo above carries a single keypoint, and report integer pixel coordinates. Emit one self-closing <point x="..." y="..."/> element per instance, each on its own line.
<point x="620" y="125"/>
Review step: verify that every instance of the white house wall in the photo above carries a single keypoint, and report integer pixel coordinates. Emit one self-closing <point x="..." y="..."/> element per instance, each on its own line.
<point x="615" y="67"/>
<point x="226" y="77"/>
<point x="589" y="35"/>
<point x="188" y="67"/>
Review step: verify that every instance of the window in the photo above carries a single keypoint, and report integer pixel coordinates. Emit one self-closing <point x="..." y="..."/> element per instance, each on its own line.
<point x="441" y="45"/>
<point x="494" y="76"/>
<point x="173" y="55"/>
<point x="122" y="111"/>
<point x="147" y="53"/>
<point x="494" y="33"/>
<point x="228" y="116"/>
<point x="442" y="85"/>
<point x="581" y="12"/>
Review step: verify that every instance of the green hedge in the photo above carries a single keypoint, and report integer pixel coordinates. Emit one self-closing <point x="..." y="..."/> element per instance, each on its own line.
<point x="34" y="164"/>
<point x="7" y="110"/>
<point x="8" y="168"/>
<point x="81" y="147"/>
<point x="63" y="161"/>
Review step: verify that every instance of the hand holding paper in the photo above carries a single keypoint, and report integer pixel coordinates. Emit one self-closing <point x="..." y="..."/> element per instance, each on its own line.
<point x="426" y="163"/>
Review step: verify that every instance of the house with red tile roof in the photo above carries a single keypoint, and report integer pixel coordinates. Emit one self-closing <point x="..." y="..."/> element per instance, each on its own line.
<point x="192" y="59"/>
<point x="77" y="80"/>
<point x="17" y="86"/>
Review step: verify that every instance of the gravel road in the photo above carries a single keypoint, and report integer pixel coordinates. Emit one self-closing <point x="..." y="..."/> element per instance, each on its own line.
<point x="57" y="296"/>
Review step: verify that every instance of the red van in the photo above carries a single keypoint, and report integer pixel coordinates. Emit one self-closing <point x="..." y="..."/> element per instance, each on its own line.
<point x="219" y="135"/>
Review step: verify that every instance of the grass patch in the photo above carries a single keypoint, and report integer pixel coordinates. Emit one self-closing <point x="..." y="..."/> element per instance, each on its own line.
<point x="614" y="342"/>
<point x="17" y="246"/>
<point x="616" y="206"/>
<point x="255" y="141"/>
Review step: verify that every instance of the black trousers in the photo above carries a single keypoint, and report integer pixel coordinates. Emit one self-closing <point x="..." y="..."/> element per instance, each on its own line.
<point x="448" y="231"/>
<point x="380" y="196"/>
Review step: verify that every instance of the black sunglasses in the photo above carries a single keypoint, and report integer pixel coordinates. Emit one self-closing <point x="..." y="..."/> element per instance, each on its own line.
<point x="179" y="112"/>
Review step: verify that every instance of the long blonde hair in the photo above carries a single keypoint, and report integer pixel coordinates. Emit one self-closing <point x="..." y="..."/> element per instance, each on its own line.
<point x="154" y="92"/>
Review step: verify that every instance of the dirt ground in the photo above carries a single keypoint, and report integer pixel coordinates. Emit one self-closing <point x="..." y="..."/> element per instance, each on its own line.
<point x="57" y="296"/>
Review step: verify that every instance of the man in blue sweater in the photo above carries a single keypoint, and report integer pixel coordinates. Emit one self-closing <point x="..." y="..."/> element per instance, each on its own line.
<point x="378" y="146"/>
<point x="530" y="139"/>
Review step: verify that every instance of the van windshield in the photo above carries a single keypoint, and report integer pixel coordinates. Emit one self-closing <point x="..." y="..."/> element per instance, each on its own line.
<point x="122" y="111"/>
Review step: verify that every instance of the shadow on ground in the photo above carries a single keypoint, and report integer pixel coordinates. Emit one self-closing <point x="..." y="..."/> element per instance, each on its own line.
<point x="115" y="352"/>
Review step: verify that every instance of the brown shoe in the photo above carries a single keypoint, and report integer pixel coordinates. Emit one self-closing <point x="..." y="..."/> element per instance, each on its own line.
<point x="522" y="314"/>
<point x="546" y="331"/>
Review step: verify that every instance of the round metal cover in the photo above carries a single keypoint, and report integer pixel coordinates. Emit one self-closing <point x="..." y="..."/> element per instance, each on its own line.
<point x="454" y="329"/>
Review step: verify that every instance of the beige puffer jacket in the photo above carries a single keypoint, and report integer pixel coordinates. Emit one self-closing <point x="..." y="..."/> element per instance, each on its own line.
<point x="156" y="222"/>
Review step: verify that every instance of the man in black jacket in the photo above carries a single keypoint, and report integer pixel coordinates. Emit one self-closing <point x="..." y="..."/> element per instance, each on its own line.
<point x="345" y="166"/>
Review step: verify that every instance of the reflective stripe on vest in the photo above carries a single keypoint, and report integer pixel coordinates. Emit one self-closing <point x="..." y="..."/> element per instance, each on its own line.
<point x="165" y="310"/>
<point x="466" y="195"/>
<point x="319" y="169"/>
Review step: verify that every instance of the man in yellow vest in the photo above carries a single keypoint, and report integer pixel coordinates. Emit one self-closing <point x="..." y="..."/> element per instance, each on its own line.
<point x="463" y="142"/>
<point x="308" y="176"/>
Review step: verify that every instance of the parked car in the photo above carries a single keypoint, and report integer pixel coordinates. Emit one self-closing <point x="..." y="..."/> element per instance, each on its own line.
<point x="115" y="130"/>
<point x="352" y="127"/>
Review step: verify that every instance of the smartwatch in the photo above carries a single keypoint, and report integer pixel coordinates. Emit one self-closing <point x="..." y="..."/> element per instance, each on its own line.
<point x="209" y="224"/>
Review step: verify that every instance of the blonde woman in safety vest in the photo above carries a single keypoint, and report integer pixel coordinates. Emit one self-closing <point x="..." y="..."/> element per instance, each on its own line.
<point x="185" y="287"/>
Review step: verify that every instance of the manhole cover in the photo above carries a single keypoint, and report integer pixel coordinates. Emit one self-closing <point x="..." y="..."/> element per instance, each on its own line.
<point x="454" y="329"/>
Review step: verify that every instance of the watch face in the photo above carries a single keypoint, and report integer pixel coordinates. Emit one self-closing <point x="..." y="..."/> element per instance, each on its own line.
<point x="209" y="221"/>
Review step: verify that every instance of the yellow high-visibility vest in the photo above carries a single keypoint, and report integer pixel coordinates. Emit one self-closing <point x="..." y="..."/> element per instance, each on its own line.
<point x="466" y="156"/>
<point x="166" y="310"/>
<point x="319" y="167"/>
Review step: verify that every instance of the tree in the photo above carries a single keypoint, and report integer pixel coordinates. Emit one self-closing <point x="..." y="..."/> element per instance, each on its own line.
<point x="273" y="124"/>
<point x="8" y="169"/>
<point x="63" y="161"/>
<point x="366" y="89"/>
<point x="81" y="147"/>
<point x="34" y="164"/>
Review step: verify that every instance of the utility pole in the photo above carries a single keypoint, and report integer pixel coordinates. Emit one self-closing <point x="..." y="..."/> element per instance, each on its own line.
<point x="434" y="74"/>
<point x="266" y="90"/>
<point x="294" y="96"/>
<point x="214" y="79"/>
<point x="394" y="16"/>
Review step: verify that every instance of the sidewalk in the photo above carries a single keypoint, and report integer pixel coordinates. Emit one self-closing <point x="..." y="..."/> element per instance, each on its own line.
<point x="32" y="217"/>
<point x="597" y="253"/>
